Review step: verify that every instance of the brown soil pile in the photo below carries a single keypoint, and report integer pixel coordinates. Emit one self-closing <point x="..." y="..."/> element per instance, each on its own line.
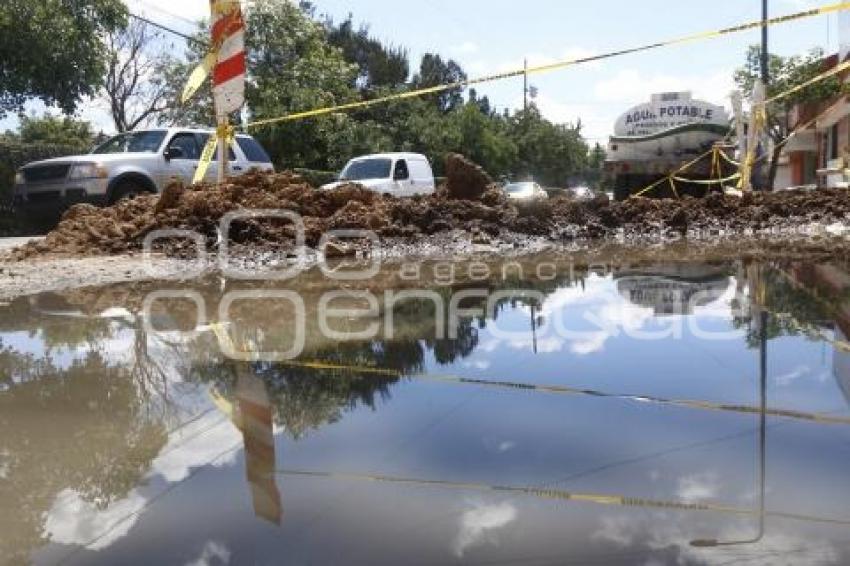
<point x="465" y="179"/>
<point x="87" y="230"/>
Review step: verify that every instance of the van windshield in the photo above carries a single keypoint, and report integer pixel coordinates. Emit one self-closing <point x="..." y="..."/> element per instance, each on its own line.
<point x="133" y="142"/>
<point x="363" y="169"/>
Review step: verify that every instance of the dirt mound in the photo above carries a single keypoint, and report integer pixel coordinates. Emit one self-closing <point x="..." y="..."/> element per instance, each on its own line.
<point x="465" y="179"/>
<point x="87" y="230"/>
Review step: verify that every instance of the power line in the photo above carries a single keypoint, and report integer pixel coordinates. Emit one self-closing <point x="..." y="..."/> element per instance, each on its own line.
<point x="167" y="13"/>
<point x="169" y="29"/>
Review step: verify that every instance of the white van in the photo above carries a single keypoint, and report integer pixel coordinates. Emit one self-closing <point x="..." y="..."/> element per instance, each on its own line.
<point x="396" y="174"/>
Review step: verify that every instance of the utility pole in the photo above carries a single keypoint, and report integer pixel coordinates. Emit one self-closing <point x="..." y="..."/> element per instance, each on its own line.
<point x="525" y="86"/>
<point x="765" y="58"/>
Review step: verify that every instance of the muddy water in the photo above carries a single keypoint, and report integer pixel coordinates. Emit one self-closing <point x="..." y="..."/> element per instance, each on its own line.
<point x="532" y="413"/>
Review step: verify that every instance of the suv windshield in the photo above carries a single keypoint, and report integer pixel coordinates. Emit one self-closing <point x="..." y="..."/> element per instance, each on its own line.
<point x="366" y="169"/>
<point x="133" y="142"/>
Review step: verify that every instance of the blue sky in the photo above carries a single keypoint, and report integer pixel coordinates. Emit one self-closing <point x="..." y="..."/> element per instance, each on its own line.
<point x="496" y="35"/>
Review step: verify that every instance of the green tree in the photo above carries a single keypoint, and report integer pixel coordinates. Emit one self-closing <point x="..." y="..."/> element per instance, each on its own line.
<point x="197" y="111"/>
<point x="52" y="50"/>
<point x="595" y="168"/>
<point x="554" y="154"/>
<point x="55" y="130"/>
<point x="433" y="71"/>
<point x="378" y="65"/>
<point x="135" y="86"/>
<point x="292" y="68"/>
<point x="484" y="139"/>
<point x="786" y="73"/>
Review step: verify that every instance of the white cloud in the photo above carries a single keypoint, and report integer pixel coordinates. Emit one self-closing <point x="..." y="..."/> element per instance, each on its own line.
<point x="477" y="364"/>
<point x="477" y="525"/>
<point x="787" y="378"/>
<point x="665" y="532"/>
<point x="698" y="487"/>
<point x="594" y="342"/>
<point x="212" y="550"/>
<point x="72" y="520"/>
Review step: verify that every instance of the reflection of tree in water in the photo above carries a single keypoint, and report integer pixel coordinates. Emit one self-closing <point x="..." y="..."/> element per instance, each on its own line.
<point x="305" y="399"/>
<point x="81" y="427"/>
<point x="796" y="303"/>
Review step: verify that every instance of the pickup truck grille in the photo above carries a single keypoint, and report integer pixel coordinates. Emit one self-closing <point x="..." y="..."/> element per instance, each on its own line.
<point x="44" y="173"/>
<point x="46" y="196"/>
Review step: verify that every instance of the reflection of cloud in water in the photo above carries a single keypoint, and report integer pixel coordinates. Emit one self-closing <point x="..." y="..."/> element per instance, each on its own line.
<point x="212" y="553"/>
<point x="668" y="535"/>
<point x="72" y="520"/>
<point x="841" y="365"/>
<point x="603" y="314"/>
<point x="594" y="343"/>
<point x="787" y="378"/>
<point x="477" y="525"/>
<point x="696" y="487"/>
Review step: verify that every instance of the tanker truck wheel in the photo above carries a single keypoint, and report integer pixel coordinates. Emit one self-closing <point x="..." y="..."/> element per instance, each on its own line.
<point x="622" y="187"/>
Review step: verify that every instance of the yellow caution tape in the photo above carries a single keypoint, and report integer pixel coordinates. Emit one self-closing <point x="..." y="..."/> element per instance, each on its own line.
<point x="206" y="158"/>
<point x="728" y="159"/>
<point x="823" y="76"/>
<point x="706" y="181"/>
<point x="562" y="495"/>
<point x="681" y="169"/>
<point x="224" y="338"/>
<point x="826" y="9"/>
<point x="196" y="79"/>
<point x="221" y="7"/>
<point x="222" y="132"/>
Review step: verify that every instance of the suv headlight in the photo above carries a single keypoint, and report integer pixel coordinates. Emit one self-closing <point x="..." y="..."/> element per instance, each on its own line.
<point x="88" y="171"/>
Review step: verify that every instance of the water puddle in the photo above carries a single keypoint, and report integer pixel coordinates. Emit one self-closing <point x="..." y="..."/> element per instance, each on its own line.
<point x="530" y="412"/>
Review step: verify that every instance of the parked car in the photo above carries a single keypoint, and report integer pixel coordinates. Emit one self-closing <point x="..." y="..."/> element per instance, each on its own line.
<point x="527" y="190"/>
<point x="581" y="193"/>
<point x="396" y="174"/>
<point x="126" y="165"/>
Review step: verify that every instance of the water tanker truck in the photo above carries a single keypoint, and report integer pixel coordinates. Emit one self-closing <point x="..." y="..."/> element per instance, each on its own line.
<point x="653" y="140"/>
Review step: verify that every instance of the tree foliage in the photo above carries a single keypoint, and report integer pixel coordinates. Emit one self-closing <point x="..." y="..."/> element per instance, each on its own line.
<point x="52" y="50"/>
<point x="378" y="65"/>
<point x="135" y="85"/>
<point x="296" y="63"/>
<point x="786" y="73"/>
<point x="49" y="129"/>
<point x="433" y="71"/>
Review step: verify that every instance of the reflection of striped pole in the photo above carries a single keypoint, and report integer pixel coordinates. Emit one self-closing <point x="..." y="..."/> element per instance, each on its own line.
<point x="255" y="420"/>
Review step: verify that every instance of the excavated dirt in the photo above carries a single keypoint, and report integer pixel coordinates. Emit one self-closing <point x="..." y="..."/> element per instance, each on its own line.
<point x="469" y="203"/>
<point x="465" y="179"/>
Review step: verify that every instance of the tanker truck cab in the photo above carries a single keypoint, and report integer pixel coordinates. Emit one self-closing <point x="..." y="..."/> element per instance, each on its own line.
<point x="396" y="174"/>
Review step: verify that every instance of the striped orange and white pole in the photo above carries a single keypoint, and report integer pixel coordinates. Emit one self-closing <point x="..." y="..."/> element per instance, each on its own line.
<point x="255" y="419"/>
<point x="228" y="76"/>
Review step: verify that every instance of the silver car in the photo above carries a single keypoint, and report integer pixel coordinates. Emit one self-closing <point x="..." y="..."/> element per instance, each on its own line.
<point x="526" y="190"/>
<point x="126" y="165"/>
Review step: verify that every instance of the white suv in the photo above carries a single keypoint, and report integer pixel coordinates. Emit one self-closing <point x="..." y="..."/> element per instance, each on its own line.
<point x="128" y="164"/>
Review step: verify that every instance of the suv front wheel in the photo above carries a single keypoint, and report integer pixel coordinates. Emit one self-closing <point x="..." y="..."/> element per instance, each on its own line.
<point x="127" y="190"/>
